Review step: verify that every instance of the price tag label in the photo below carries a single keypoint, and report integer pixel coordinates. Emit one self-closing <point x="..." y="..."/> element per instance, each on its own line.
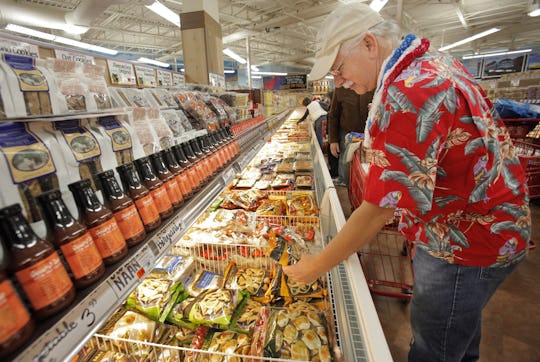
<point x="167" y="236"/>
<point x="514" y="82"/>
<point x="229" y="175"/>
<point x="124" y="279"/>
<point x="76" y="326"/>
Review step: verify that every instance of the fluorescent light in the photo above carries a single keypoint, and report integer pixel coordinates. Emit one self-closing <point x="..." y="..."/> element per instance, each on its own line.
<point x="165" y="12"/>
<point x="28" y="31"/>
<point x="461" y="17"/>
<point x="229" y="71"/>
<point x="59" y="39"/>
<point x="75" y="29"/>
<point x="269" y="73"/>
<point x="254" y="68"/>
<point x="377" y="5"/>
<point x="235" y="56"/>
<point x="329" y="77"/>
<point x="487" y="55"/>
<point x="153" y="62"/>
<point x="469" y="39"/>
<point x="535" y="12"/>
<point x="256" y="77"/>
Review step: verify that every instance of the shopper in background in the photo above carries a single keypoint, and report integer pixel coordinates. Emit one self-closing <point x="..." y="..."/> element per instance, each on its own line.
<point x="348" y="113"/>
<point x="317" y="115"/>
<point x="438" y="151"/>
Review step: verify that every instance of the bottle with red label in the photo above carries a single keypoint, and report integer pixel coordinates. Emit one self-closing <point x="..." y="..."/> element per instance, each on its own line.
<point x="36" y="265"/>
<point x="168" y="179"/>
<point x="155" y="186"/>
<point x="72" y="238"/>
<point x="140" y="195"/>
<point x="194" y="159"/>
<point x="15" y="322"/>
<point x="100" y="220"/>
<point x="181" y="176"/>
<point x="202" y="162"/>
<point x="192" y="174"/>
<point x="124" y="209"/>
<point x="217" y="151"/>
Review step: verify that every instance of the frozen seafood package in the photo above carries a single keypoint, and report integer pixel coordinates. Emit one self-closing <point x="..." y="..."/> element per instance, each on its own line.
<point x="291" y="333"/>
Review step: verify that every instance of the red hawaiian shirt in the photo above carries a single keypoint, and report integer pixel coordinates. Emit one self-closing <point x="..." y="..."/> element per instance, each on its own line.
<point x="440" y="152"/>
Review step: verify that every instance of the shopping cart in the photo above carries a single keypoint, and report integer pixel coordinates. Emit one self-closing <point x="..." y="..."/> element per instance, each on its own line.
<point x="529" y="157"/>
<point x="387" y="260"/>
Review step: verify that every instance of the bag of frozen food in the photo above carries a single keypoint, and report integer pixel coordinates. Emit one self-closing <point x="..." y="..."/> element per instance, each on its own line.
<point x="154" y="297"/>
<point x="99" y="96"/>
<point x="248" y="200"/>
<point x="289" y="333"/>
<point x="201" y="281"/>
<point x="143" y="130"/>
<point x="177" y="315"/>
<point x="223" y="345"/>
<point x="174" y="267"/>
<point x="301" y="203"/>
<point x="246" y="316"/>
<point x="253" y="281"/>
<point x="71" y="83"/>
<point x="283" y="288"/>
<point x="215" y="307"/>
<point x="32" y="164"/>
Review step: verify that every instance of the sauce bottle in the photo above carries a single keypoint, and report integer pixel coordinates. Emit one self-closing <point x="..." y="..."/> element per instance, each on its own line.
<point x="207" y="154"/>
<point x="155" y="186"/>
<point x="36" y="265"/>
<point x="234" y="142"/>
<point x="168" y="179"/>
<point x="124" y="209"/>
<point x="202" y="162"/>
<point x="140" y="195"/>
<point x="15" y="322"/>
<point x="217" y="148"/>
<point x="194" y="159"/>
<point x="100" y="221"/>
<point x="72" y="238"/>
<point x="181" y="176"/>
<point x="229" y="149"/>
<point x="190" y="171"/>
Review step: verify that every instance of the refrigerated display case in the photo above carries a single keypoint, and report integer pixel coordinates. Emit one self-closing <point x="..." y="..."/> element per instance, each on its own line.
<point x="354" y="321"/>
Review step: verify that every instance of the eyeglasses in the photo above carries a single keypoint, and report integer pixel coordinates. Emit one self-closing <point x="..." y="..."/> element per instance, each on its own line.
<point x="337" y="71"/>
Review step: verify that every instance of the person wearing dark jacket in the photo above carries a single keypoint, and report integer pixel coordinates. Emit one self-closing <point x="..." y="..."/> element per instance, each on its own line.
<point x="348" y="113"/>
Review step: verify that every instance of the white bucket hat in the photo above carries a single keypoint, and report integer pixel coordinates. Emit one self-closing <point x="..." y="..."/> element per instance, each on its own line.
<point x="344" y="23"/>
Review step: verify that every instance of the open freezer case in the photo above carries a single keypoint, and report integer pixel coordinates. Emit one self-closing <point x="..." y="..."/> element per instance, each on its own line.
<point x="285" y="326"/>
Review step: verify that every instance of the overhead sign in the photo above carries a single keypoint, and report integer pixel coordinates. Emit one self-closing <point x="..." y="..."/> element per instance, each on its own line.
<point x="18" y="48"/>
<point x="121" y="73"/>
<point x="285" y="82"/>
<point x="178" y="79"/>
<point x="73" y="56"/>
<point x="146" y="76"/>
<point x="164" y="78"/>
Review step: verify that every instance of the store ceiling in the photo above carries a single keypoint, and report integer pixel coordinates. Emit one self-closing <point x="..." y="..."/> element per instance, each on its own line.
<point x="283" y="32"/>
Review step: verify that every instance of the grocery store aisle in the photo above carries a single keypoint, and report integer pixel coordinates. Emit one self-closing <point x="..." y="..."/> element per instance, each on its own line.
<point x="511" y="319"/>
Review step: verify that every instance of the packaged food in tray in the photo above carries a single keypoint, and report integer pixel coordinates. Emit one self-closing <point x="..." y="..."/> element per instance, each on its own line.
<point x="254" y="281"/>
<point x="300" y="166"/>
<point x="154" y="297"/>
<point x="303" y="156"/>
<point x="282" y="180"/>
<point x="226" y="342"/>
<point x="234" y="220"/>
<point x="247" y="315"/>
<point x="174" y="267"/>
<point x="304" y="181"/>
<point x="272" y="207"/>
<point x="262" y="185"/>
<point x="289" y="290"/>
<point x="285" y="167"/>
<point x="248" y="200"/>
<point x="301" y="203"/>
<point x="203" y="280"/>
<point x="214" y="307"/>
<point x="245" y="183"/>
<point x="290" y="333"/>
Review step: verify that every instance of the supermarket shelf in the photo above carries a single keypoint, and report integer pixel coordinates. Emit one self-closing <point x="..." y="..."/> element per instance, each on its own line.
<point x="59" y="338"/>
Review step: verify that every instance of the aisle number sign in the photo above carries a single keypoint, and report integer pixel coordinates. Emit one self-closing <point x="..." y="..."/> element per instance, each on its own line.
<point x="146" y="76"/>
<point x="164" y="78"/>
<point x="121" y="73"/>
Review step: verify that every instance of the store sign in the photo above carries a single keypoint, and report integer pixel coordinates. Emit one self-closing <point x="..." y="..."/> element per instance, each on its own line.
<point x="504" y="64"/>
<point x="216" y="80"/>
<point x="285" y="82"/>
<point x="121" y="73"/>
<point x="533" y="61"/>
<point x="164" y="78"/>
<point x="146" y="76"/>
<point x="178" y="79"/>
<point x="74" y="57"/>
<point x="18" y="48"/>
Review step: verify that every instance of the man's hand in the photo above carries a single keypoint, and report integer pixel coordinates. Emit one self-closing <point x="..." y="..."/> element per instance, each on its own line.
<point x="305" y="271"/>
<point x="334" y="149"/>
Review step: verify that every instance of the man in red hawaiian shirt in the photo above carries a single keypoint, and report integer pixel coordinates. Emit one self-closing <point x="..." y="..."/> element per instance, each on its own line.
<point x="438" y="151"/>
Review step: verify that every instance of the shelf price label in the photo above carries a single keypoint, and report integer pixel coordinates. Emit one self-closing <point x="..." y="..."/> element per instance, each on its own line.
<point x="76" y="326"/>
<point x="228" y="175"/>
<point x="167" y="236"/>
<point x="125" y="278"/>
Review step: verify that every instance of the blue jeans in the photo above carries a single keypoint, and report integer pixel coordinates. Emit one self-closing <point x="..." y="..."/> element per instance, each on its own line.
<point x="446" y="308"/>
<point x="319" y="129"/>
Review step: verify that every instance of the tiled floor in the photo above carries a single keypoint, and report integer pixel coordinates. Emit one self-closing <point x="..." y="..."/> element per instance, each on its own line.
<point x="511" y="325"/>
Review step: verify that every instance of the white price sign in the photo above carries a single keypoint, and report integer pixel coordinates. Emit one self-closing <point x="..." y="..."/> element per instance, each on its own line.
<point x="125" y="278"/>
<point x="167" y="236"/>
<point x="229" y="175"/>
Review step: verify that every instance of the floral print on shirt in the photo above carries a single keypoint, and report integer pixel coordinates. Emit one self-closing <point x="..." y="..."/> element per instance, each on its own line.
<point x="440" y="152"/>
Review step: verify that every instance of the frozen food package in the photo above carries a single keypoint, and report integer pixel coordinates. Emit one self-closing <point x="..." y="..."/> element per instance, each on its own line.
<point x="161" y="128"/>
<point x="79" y="147"/>
<point x="247" y="315"/>
<point x="292" y="333"/>
<point x="201" y="281"/>
<point x="174" y="122"/>
<point x="214" y="307"/>
<point x="174" y="267"/>
<point x="118" y="144"/>
<point x="226" y="342"/>
<point x="32" y="87"/>
<point x="144" y="131"/>
<point x="253" y="281"/>
<point x="301" y="203"/>
<point x="248" y="200"/>
<point x="154" y="297"/>
<point x="32" y="164"/>
<point x="178" y="317"/>
<point x="7" y="109"/>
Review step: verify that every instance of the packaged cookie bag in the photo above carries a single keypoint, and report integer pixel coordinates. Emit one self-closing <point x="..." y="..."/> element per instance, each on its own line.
<point x="99" y="97"/>
<point x="70" y="82"/>
<point x="7" y="109"/>
<point x="28" y="169"/>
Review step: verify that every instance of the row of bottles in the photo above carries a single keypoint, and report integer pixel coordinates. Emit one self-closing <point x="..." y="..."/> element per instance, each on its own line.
<point x="153" y="187"/>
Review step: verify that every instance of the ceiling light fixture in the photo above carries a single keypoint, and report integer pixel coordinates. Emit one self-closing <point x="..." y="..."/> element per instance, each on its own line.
<point x="534" y="12"/>
<point x="59" y="39"/>
<point x="377" y="5"/>
<point x="469" y="39"/>
<point x="235" y="56"/>
<point x="256" y="77"/>
<point x="254" y="68"/>
<point x="487" y="55"/>
<point x="229" y="71"/>
<point x="461" y="17"/>
<point x="165" y="12"/>
<point x="268" y="73"/>
<point x="153" y="62"/>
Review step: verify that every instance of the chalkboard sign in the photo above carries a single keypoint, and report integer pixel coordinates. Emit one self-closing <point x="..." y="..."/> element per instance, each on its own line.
<point x="285" y="82"/>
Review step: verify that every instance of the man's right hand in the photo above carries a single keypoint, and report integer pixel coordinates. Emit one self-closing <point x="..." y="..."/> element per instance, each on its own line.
<point x="334" y="149"/>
